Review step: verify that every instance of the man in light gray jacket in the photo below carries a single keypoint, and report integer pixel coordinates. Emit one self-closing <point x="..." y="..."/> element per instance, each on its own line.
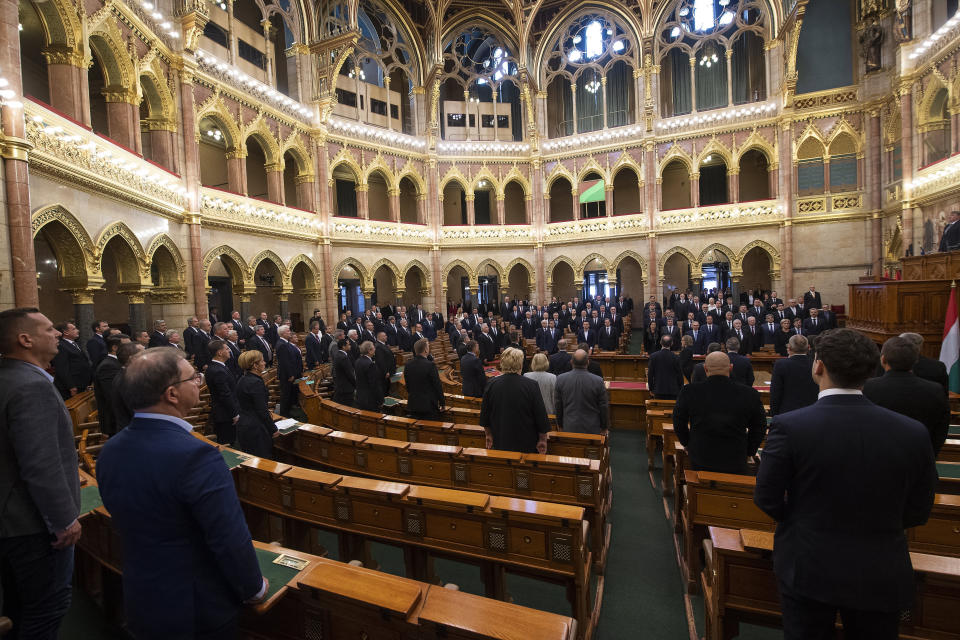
<point x="581" y="400"/>
<point x="39" y="484"/>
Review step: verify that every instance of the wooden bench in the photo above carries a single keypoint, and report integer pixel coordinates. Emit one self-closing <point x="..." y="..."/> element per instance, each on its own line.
<point x="544" y="540"/>
<point x="739" y="586"/>
<point x="83" y="411"/>
<point x="564" y="480"/>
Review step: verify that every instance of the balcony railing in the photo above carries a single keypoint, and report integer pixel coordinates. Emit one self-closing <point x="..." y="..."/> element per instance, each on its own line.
<point x="721" y="215"/>
<point x="236" y="210"/>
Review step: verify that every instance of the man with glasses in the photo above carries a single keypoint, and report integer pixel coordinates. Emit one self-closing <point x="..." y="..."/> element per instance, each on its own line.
<point x="188" y="560"/>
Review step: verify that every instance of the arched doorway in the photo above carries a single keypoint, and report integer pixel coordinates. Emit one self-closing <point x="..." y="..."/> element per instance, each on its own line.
<point x="414" y="284"/>
<point x="563" y="287"/>
<point x="157" y="133"/>
<point x="676" y="274"/>
<point x="385" y="286"/>
<point x="225" y="283"/>
<point x="561" y="200"/>
<point x="630" y="279"/>
<point x="121" y="275"/>
<point x="713" y="181"/>
<point x="627" y="197"/>
<point x="675" y="186"/>
<point x="514" y="204"/>
<point x="716" y="271"/>
<point x="60" y="267"/>
<point x="304" y="297"/>
<point x="592" y="196"/>
<point x="458" y="286"/>
<point x="488" y="285"/>
<point x="256" y="167"/>
<point x="454" y="204"/>
<point x="484" y="203"/>
<point x="291" y="170"/>
<point x="518" y="283"/>
<point x="754" y="176"/>
<point x="344" y="191"/>
<point x="756" y="269"/>
<point x="213" y="154"/>
<point x="33" y="40"/>
<point x="268" y="280"/>
<point x="350" y="283"/>
<point x="408" y="202"/>
<point x="378" y="199"/>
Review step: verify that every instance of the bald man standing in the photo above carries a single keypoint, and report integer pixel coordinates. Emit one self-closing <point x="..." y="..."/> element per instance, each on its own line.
<point x="720" y="422"/>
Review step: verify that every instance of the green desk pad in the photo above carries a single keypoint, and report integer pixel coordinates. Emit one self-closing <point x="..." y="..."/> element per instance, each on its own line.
<point x="948" y="470"/>
<point x="232" y="458"/>
<point x="278" y="575"/>
<point x="89" y="499"/>
<point x="390" y="401"/>
<point x="953" y="432"/>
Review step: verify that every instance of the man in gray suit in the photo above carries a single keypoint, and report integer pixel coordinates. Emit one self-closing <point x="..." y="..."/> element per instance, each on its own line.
<point x="39" y="485"/>
<point x="580" y="399"/>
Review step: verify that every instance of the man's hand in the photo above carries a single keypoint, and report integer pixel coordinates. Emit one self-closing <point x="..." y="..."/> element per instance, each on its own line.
<point x="542" y="447"/>
<point x="489" y="442"/>
<point x="236" y="419"/>
<point x="68" y="536"/>
<point x="290" y="379"/>
<point x="260" y="597"/>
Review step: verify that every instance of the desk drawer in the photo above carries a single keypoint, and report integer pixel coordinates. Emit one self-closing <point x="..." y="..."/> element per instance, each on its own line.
<point x="500" y="477"/>
<point x="939" y="532"/>
<point x="383" y="462"/>
<point x="313" y="503"/>
<point x="377" y="515"/>
<point x="261" y="490"/>
<point x="528" y="542"/>
<point x="554" y="485"/>
<point x="459" y="530"/>
<point x="433" y="469"/>
<point x="735" y="507"/>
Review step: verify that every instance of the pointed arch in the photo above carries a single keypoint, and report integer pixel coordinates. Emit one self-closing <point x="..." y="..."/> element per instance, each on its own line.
<point x="378" y="164"/>
<point x="310" y="265"/>
<point x="929" y="96"/>
<point x="676" y="152"/>
<point x="62" y="27"/>
<point x="531" y="272"/>
<point x="550" y="34"/>
<point x="463" y="265"/>
<point x="578" y="272"/>
<point x="267" y="254"/>
<point x="259" y="131"/>
<point x="630" y="254"/>
<point x="490" y="262"/>
<point x="810" y="133"/>
<point x="485" y="174"/>
<point x="391" y="267"/>
<point x="357" y="266"/>
<point x="893" y="126"/>
<point x="237" y="266"/>
<point x="591" y="166"/>
<point x="455" y="175"/>
<point x="553" y="265"/>
<point x="766" y="247"/>
<point x="727" y="251"/>
<point x="344" y="157"/>
<point x="423" y="269"/>
<point x="295" y="147"/>
<point x="756" y="142"/>
<point x="140" y="269"/>
<point x="106" y="41"/>
<point x="514" y="175"/>
<point x="77" y="262"/>
<point x="410" y="172"/>
<point x="718" y="148"/>
<point x="559" y="171"/>
<point x="165" y="241"/>
<point x="662" y="260"/>
<point x="626" y="161"/>
<point x="215" y="109"/>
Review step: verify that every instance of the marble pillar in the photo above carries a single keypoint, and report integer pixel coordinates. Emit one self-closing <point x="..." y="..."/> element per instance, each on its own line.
<point x="306" y="191"/>
<point x="275" y="191"/>
<point x="137" y="311"/>
<point x="608" y="198"/>
<point x="245" y="301"/>
<point x="363" y="203"/>
<point x="906" y="148"/>
<point x="694" y="189"/>
<point x="874" y="153"/>
<point x="501" y="210"/>
<point x="284" y="299"/>
<point x="236" y="167"/>
<point x="575" y="198"/>
<point x="471" y="211"/>
<point x="83" y="314"/>
<point x="123" y="119"/>
<point x="393" y="201"/>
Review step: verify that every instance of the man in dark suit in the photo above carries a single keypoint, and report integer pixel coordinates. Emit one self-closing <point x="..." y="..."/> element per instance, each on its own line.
<point x="233" y="363"/>
<point x="424" y="392"/>
<point x="928" y="368"/>
<point x="791" y="385"/>
<point x="609" y="338"/>
<point x="38" y="478"/>
<point x="103" y="379"/>
<point x="740" y="333"/>
<point x="314" y="348"/>
<point x="369" y="382"/>
<point x="488" y="348"/>
<point x="158" y="337"/>
<point x="840" y="543"/>
<point x="344" y="374"/>
<point x="259" y="342"/>
<point x="289" y="369"/>
<point x="190" y="335"/>
<point x="581" y="400"/>
<point x="201" y="355"/>
<point x="811" y="299"/>
<point x="813" y="325"/>
<point x="950" y="240"/>
<point x="742" y="370"/>
<point x="471" y="371"/>
<point x="769" y="330"/>
<point x="222" y="385"/>
<point x="828" y="317"/>
<point x="664" y="377"/>
<point x="237" y="325"/>
<point x="72" y="370"/>
<point x="900" y="390"/>
<point x="97" y="345"/>
<point x="720" y="422"/>
<point x="560" y="361"/>
<point x="174" y="505"/>
<point x="386" y="363"/>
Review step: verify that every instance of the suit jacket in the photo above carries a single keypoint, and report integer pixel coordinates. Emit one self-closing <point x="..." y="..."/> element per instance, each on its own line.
<point x="513" y="412"/>
<point x="391" y="330"/>
<point x="190" y="340"/>
<point x="222" y="385"/>
<point x="158" y="339"/>
<point x="780" y="341"/>
<point x="742" y="369"/>
<point x="255" y="428"/>
<point x="488" y="348"/>
<point x="811" y="300"/>
<point x="721" y="423"/>
<point x="103" y="380"/>
<point x="608" y="341"/>
<point x="261" y="345"/>
<point x="188" y="562"/>
<point x="840" y="540"/>
<point x="933" y="370"/>
<point x="386" y="364"/>
<point x="686" y="361"/>
<point x="664" y="377"/>
<point x="202" y="355"/>
<point x="560" y="362"/>
<point x="39" y="486"/>
<point x="811" y="328"/>
<point x="424" y="392"/>
<point x="289" y="362"/>
<point x="791" y="385"/>
<point x="369" y="386"/>
<point x="581" y="402"/>
<point x="314" y="351"/>
<point x="344" y="376"/>
<point x="96" y="349"/>
<point x="914" y="397"/>
<point x="71" y="368"/>
<point x="473" y="376"/>
<point x="590" y="337"/>
<point x="233" y="364"/>
<point x="700" y="341"/>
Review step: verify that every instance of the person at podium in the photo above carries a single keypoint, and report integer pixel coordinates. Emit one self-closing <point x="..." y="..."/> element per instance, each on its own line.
<point x="950" y="240"/>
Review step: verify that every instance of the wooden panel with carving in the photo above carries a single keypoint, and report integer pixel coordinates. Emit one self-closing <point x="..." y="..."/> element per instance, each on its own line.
<point x="933" y="266"/>
<point x="882" y="310"/>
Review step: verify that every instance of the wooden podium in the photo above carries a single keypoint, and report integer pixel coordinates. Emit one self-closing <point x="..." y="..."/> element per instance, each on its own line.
<point x="918" y="303"/>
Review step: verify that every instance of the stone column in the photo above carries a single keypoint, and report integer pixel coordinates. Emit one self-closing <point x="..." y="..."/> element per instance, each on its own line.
<point x="730" y="79"/>
<point x="284" y="299"/>
<point x="137" y="311"/>
<point x="394" y="203"/>
<point x="191" y="175"/>
<point x="16" y="171"/>
<point x="67" y="75"/>
<point x="422" y="209"/>
<point x="773" y="180"/>
<point x="826" y="175"/>
<point x="608" y="198"/>
<point x="786" y="196"/>
<point x="236" y="168"/>
<point x="268" y="45"/>
<point x="163" y="145"/>
<point x="603" y="100"/>
<point x="306" y="191"/>
<point x="693" y="83"/>
<point x="123" y="118"/>
<point x="200" y="306"/>
<point x="575" y="197"/>
<point x="695" y="189"/>
<point x="545" y="207"/>
<point x="573" y="101"/>
<point x="651" y="187"/>
<point x="906" y="152"/>
<point x="275" y="191"/>
<point x="245" y="300"/>
<point x="330" y="285"/>
<point x="733" y="186"/>
<point x="363" y="203"/>
<point x="471" y="211"/>
<point x="83" y="313"/>
<point x="874" y="152"/>
<point x="501" y="209"/>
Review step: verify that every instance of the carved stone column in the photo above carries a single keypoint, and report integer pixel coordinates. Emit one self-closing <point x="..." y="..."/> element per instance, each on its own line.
<point x="906" y="152"/>
<point x="422" y="209"/>
<point x="199" y="276"/>
<point x="693" y="83"/>
<point x="275" y="191"/>
<point x="608" y="198"/>
<point x="163" y="145"/>
<point x="329" y="284"/>
<point x="471" y="211"/>
<point x="773" y="180"/>
<point x="874" y="153"/>
<point x="733" y="186"/>
<point x="394" y="203"/>
<point x="137" y="311"/>
<point x="363" y="202"/>
<point x="575" y="198"/>
<point x="501" y="210"/>
<point x="245" y="301"/>
<point x="83" y="313"/>
<point x="67" y="75"/>
<point x="123" y="118"/>
<point x="786" y="195"/>
<point x="284" y="299"/>
<point x="306" y="192"/>
<point x="652" y="197"/>
<point x="236" y="171"/>
<point x="695" y="189"/>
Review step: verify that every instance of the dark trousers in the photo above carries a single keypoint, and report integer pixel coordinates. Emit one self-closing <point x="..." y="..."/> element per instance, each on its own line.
<point x="226" y="431"/>
<point x="346" y="399"/>
<point x="806" y="619"/>
<point x="35" y="585"/>
<point x="288" y="395"/>
<point x="664" y="396"/>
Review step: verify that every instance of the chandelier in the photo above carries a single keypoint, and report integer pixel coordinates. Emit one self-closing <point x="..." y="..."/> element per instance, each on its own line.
<point x="593" y="86"/>
<point x="709" y="57"/>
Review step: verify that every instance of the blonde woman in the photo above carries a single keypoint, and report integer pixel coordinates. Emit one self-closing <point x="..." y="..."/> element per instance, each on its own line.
<point x="540" y="373"/>
<point x="512" y="413"/>
<point x="255" y="429"/>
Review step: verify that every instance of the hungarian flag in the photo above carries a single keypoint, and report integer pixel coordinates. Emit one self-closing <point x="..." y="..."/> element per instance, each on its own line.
<point x="950" y="349"/>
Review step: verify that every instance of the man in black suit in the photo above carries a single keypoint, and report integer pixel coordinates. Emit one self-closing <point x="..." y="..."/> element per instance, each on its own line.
<point x="237" y="325"/>
<point x="424" y="392"/>
<point x="900" y="390"/>
<point x="344" y="374"/>
<point x="664" y="377"/>
<point x="720" y="422"/>
<point x="813" y="325"/>
<point x="103" y="379"/>
<point x="811" y="299"/>
<point x="289" y="368"/>
<point x="97" y="345"/>
<point x="386" y="363"/>
<point x="314" y="348"/>
<point x="369" y="384"/>
<point x="950" y="240"/>
<point x="222" y="385"/>
<point x="609" y="338"/>
<point x="791" y="385"/>
<point x="202" y="355"/>
<point x="840" y="543"/>
<point x="259" y="342"/>
<point x="828" y="317"/>
<point x="72" y="370"/>
<point x="742" y="370"/>
<point x="471" y="371"/>
<point x="158" y="337"/>
<point x="488" y="348"/>
<point x="560" y="362"/>
<point x="234" y="362"/>
<point x="190" y="335"/>
<point x="928" y="368"/>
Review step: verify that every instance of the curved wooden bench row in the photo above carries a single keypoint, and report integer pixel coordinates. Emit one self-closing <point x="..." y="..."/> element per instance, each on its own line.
<point x="335" y="600"/>
<point x="564" y="480"/>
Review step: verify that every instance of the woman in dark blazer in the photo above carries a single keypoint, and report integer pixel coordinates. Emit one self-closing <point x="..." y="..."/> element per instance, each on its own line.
<point x="255" y="429"/>
<point x="686" y="357"/>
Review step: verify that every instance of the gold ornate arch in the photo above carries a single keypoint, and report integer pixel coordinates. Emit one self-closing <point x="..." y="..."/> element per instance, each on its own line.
<point x="662" y="260"/>
<point x="357" y="266"/>
<point x="578" y="272"/>
<point x="135" y="273"/>
<point x="591" y="165"/>
<point x="260" y="132"/>
<point x="77" y="261"/>
<point x="767" y="248"/>
<point x="344" y="157"/>
<point x="484" y="174"/>
<point x="514" y="175"/>
<point x="269" y="255"/>
<point x="934" y="86"/>
<point x="697" y="266"/>
<point x="629" y="254"/>
<point x="295" y="147"/>
<point x="756" y="142"/>
<point x="106" y="41"/>
<point x="490" y="262"/>
<point x="676" y="152"/>
<point x="391" y="267"/>
<point x="165" y="241"/>
<point x="626" y="161"/>
<point x="531" y="272"/>
<point x="156" y="91"/>
<point x="310" y="265"/>
<point x="423" y="270"/>
<point x="454" y="174"/>
<point x="553" y="265"/>
<point x="63" y="31"/>
<point x="216" y="109"/>
<point x="378" y="165"/>
<point x="718" y="148"/>
<point x="239" y="271"/>
<point x="471" y="274"/>
<point x="559" y="171"/>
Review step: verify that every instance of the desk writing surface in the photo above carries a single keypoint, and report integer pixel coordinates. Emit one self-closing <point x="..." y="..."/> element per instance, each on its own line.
<point x="434" y="495"/>
<point x="311" y="475"/>
<point x="277" y="575"/>
<point x="550" y="459"/>
<point x="313" y="428"/>
<point x="266" y="466"/>
<point x="346" y="437"/>
<point x="949" y="470"/>
<point x="756" y="539"/>
<point x="380" y="487"/>
<point x="492" y="454"/>
<point x="89" y="499"/>
<point x="488" y="618"/>
<point x="942" y="565"/>
<point x="535" y="508"/>
<point x="434" y="448"/>
<point x="376" y="589"/>
<point x="619" y="384"/>
<point x="385" y="443"/>
<point x="233" y="458"/>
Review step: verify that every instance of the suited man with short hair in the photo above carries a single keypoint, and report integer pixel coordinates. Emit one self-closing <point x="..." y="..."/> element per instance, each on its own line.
<point x="289" y="369"/>
<point x="424" y="391"/>
<point x="664" y="377"/>
<point x="791" y="385"/>
<point x="103" y="379"/>
<point x="222" y="385"/>
<point x="472" y="372"/>
<point x="97" y="345"/>
<point x="369" y="385"/>
<point x="840" y="544"/>
<point x="386" y="363"/>
<point x="560" y="361"/>
<point x="811" y="299"/>
<point x="609" y="338"/>
<point x="344" y="374"/>
<point x="742" y="371"/>
<point x="72" y="370"/>
<point x="314" y="350"/>
<point x="928" y="368"/>
<point x="158" y="337"/>
<point x="900" y="390"/>
<point x="259" y="342"/>
<point x="581" y="401"/>
<point x="813" y="325"/>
